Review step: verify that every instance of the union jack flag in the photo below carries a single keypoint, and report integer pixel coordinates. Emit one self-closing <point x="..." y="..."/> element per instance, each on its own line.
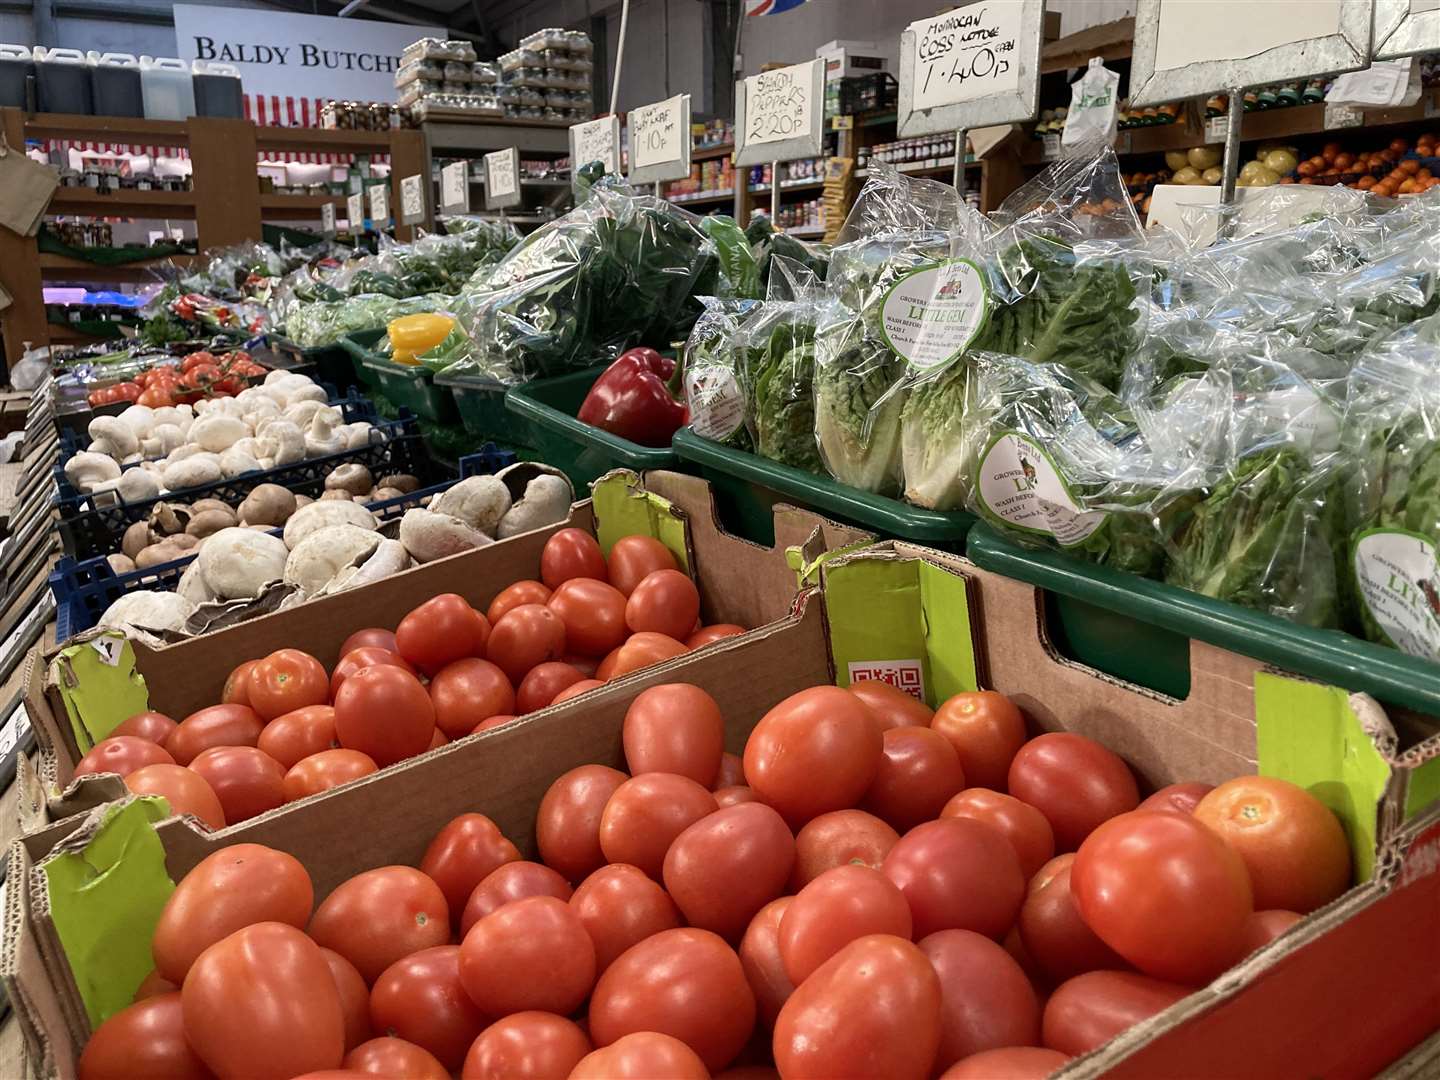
<point x="771" y="7"/>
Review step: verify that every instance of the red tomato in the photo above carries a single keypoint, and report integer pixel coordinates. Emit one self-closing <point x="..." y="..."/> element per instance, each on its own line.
<point x="354" y="998"/>
<point x="840" y="838"/>
<point x="542" y="683"/>
<point x="1093" y="1008"/>
<point x="1010" y="1063"/>
<point x="665" y="602"/>
<point x="727" y="866"/>
<point x="419" y="998"/>
<point x="525" y="636"/>
<point x="122" y="755"/>
<point x="373" y="636"/>
<point x="378" y="916"/>
<point x="760" y="958"/>
<point x="237" y="886"/>
<point x="986" y="730"/>
<point x="986" y="1000"/>
<point x="892" y="707"/>
<point x="587" y="665"/>
<point x="957" y="874"/>
<point x="645" y="814"/>
<point x="360" y="657"/>
<point x="437" y="740"/>
<point x="593" y="613"/>
<point x="493" y="722"/>
<point x="838" y="907"/>
<point x="440" y="631"/>
<point x="1075" y="782"/>
<point x="1056" y="938"/>
<point x="816" y="751"/>
<point x="522" y="592"/>
<point x="185" y="791"/>
<point x="567" y="825"/>
<point x="153" y="985"/>
<point x="731" y="774"/>
<point x="286" y="680"/>
<point x="633" y="558"/>
<point x="219" y="725"/>
<point x="571" y="553"/>
<point x="247" y="781"/>
<point x="1166" y="893"/>
<point x="503" y="953"/>
<point x="464" y="853"/>
<point x="919" y="772"/>
<point x="229" y="1001"/>
<point x="1181" y="797"/>
<point x="619" y="907"/>
<point x="708" y="635"/>
<point x="575" y="689"/>
<point x="1291" y="843"/>
<point x="639" y="651"/>
<point x="872" y="1009"/>
<point x="325" y="770"/>
<point x="642" y="1056"/>
<point x="685" y="983"/>
<point x="1264" y="927"/>
<point x="145" y="1039"/>
<point x="733" y="796"/>
<point x="155" y="398"/>
<point x="674" y="728"/>
<point x="391" y="1058"/>
<point x="291" y="738"/>
<point x="1024" y="826"/>
<point x="385" y="713"/>
<point x="146" y="725"/>
<point x="508" y="883"/>
<point x="526" y="1046"/>
<point x="237" y="685"/>
<point x="468" y="691"/>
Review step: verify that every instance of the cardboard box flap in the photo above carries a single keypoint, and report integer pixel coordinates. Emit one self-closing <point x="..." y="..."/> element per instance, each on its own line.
<point x="95" y="677"/>
<point x="25" y="978"/>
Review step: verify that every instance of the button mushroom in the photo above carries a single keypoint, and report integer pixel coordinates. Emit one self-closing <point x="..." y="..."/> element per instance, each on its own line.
<point x="87" y="471"/>
<point x="428" y="536"/>
<point x="479" y="501"/>
<point x="268" y="504"/>
<point x="237" y="563"/>
<point x="354" y="479"/>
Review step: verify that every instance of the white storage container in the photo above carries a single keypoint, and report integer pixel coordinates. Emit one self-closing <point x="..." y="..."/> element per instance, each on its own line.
<point x="115" y="78"/>
<point x="63" y="82"/>
<point x="167" y="87"/>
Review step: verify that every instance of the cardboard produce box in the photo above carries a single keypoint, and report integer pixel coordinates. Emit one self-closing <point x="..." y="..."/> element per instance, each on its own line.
<point x="86" y="891"/>
<point x="77" y="695"/>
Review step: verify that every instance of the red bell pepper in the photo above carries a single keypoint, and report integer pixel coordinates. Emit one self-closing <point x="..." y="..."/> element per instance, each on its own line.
<point x="632" y="398"/>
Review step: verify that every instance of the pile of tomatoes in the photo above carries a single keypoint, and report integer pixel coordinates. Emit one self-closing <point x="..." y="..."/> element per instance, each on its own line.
<point x="872" y="890"/>
<point x="286" y="728"/>
<point x="200" y="375"/>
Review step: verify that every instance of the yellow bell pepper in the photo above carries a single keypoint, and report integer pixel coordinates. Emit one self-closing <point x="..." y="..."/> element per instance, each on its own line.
<point x="411" y="335"/>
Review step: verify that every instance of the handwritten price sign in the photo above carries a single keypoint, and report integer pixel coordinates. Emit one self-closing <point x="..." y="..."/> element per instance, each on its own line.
<point x="660" y="140"/>
<point x="502" y="179"/>
<point x="596" y="140"/>
<point x="779" y="114"/>
<point x="966" y="54"/>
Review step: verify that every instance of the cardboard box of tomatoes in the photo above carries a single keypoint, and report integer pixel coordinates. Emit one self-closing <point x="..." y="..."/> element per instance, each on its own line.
<point x="1343" y="991"/>
<point x="78" y="695"/>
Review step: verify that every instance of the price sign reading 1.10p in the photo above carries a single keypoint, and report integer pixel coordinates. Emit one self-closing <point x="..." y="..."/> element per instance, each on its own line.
<point x="779" y="114"/>
<point x="660" y="140"/>
<point x="502" y="179"/>
<point x="597" y="140"/>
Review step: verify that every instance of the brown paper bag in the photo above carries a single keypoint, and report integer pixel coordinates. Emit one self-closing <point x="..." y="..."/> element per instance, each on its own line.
<point x="25" y="190"/>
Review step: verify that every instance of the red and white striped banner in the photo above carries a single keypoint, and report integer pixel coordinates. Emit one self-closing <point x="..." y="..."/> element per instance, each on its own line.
<point x="271" y="110"/>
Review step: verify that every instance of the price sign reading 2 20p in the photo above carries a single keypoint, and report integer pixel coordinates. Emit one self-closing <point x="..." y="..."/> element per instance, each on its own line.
<point x="778" y="105"/>
<point x="966" y="54"/>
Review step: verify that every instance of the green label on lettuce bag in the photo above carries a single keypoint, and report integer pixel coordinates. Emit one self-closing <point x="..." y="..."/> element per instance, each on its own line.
<point x="1020" y="485"/>
<point x="931" y="316"/>
<point x="1399" y="585"/>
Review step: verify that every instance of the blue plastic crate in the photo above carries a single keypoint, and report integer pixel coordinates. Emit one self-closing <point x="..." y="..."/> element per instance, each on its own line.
<point x="84" y="588"/>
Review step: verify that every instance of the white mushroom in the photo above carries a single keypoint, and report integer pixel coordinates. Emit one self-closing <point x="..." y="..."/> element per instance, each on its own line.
<point x="282" y="442"/>
<point x="390" y="557"/>
<point x="137" y="485"/>
<point x="479" y="501"/>
<point x="259" y="409"/>
<point x="357" y="435"/>
<point x="428" y="536"/>
<point x="87" y="471"/>
<point x="237" y="563"/>
<point x="275" y="376"/>
<point x="218" y="432"/>
<point x="192" y="472"/>
<point x="317" y="559"/>
<point x="302" y="412"/>
<point x="318" y="515"/>
<point x="546" y="501"/>
<point x="184" y="451"/>
<point x="322" y="438"/>
<point x="120" y="435"/>
<point x="145" y="610"/>
<point x="353" y="478"/>
<point x="193" y="586"/>
<point x="236" y="462"/>
<point x="268" y="504"/>
<point x="140" y="419"/>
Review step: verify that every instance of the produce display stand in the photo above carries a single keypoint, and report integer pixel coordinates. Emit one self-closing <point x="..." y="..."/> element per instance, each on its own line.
<point x="481" y="403"/>
<point x="334" y="364"/>
<point x="469" y="139"/>
<point x="409" y="386"/>
<point x="584" y="453"/>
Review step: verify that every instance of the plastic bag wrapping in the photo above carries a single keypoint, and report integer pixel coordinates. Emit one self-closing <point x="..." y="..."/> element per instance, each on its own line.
<point x="325" y="323"/>
<point x="778" y="339"/>
<point x="1392" y="434"/>
<point x="899" y="227"/>
<point x="739" y="270"/>
<point x="717" y="383"/>
<point x="766" y="242"/>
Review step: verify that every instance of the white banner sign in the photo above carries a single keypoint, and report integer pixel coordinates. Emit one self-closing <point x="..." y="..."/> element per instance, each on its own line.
<point x="1235" y="29"/>
<point x="966" y="54"/>
<point x="287" y="55"/>
<point x="778" y="105"/>
<point x="596" y="140"/>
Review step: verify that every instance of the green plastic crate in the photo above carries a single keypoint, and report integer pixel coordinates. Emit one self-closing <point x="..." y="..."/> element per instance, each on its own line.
<point x="1140" y="630"/>
<point x="481" y="403"/>
<point x="747" y="486"/>
<point x="583" y="452"/>
<point x="410" y="385"/>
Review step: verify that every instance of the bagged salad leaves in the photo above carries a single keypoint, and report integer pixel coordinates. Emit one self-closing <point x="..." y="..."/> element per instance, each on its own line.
<point x="311" y="325"/>
<point x="779" y="342"/>
<point x="717" y="378"/>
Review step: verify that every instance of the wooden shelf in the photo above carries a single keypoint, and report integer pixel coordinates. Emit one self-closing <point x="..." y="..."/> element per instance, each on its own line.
<point x="702" y="197"/>
<point x="278" y="206"/>
<point x="124" y="203"/>
<point x="116" y="129"/>
<point x="64" y="268"/>
<point x="804" y="230"/>
<point x="708" y="153"/>
<point x="921" y="168"/>
<point x="287" y="138"/>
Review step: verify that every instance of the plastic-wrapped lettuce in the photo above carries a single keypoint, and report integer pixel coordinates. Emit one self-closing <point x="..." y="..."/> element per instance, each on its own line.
<point x="311" y="325"/>
<point x="779" y="340"/>
<point x="717" y="380"/>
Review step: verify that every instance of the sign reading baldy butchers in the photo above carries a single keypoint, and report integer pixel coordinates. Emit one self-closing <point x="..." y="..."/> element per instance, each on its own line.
<point x="299" y="55"/>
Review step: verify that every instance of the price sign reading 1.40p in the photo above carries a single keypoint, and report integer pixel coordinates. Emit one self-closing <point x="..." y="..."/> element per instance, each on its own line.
<point x="966" y="54"/>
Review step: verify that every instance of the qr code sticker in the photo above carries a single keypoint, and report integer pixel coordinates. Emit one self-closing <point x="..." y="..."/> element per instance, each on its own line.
<point x="905" y="675"/>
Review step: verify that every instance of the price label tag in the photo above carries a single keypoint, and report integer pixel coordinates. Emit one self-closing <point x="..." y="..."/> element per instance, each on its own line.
<point x="379" y="195"/>
<point x="455" y="187"/>
<point x="969" y="53"/>
<point x="327" y="219"/>
<point x="842" y="123"/>
<point x="1342" y="116"/>
<point x="1215" y="128"/>
<point x="779" y="105"/>
<point x="660" y="140"/>
<point x="412" y="200"/>
<point x="355" y="212"/>
<point x="502" y="179"/>
<point x="1051" y="144"/>
<point x="596" y="140"/>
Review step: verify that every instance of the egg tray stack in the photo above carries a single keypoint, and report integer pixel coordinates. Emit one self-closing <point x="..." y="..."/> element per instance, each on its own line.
<point x="443" y="77"/>
<point x="548" y="77"/>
